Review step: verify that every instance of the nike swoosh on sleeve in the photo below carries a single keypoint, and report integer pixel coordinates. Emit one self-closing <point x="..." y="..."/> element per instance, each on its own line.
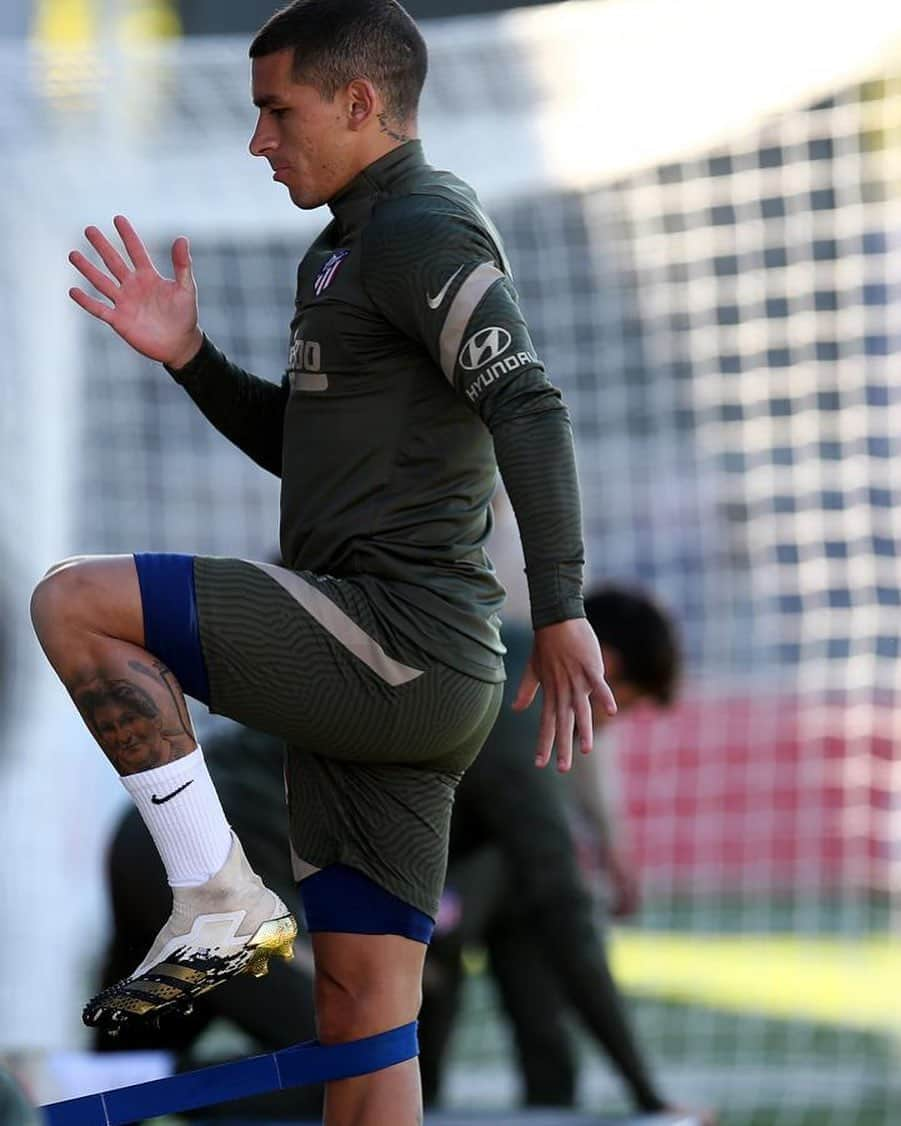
<point x="436" y="301"/>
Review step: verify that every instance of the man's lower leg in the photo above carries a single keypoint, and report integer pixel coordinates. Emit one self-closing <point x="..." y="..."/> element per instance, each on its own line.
<point x="224" y="921"/>
<point x="365" y="984"/>
<point x="134" y="707"/>
<point x="391" y="1097"/>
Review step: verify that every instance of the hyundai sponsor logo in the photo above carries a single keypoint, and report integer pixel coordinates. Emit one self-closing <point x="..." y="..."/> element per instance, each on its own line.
<point x="483" y="347"/>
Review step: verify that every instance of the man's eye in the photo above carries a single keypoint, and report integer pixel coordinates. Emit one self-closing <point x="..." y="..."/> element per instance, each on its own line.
<point x="278" y="112"/>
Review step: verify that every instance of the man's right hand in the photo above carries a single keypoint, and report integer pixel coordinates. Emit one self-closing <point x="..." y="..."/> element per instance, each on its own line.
<point x="155" y="315"/>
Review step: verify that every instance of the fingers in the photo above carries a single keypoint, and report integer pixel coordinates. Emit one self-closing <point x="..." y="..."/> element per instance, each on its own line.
<point x="567" y="709"/>
<point x="120" y="272"/>
<point x="584" y="726"/>
<point x="525" y="696"/>
<point x="98" y="279"/>
<point x="528" y="686"/>
<point x="603" y="697"/>
<point x="547" y="729"/>
<point x="573" y="710"/>
<point x="92" y="305"/>
<point x="110" y="257"/>
<point x="181" y="262"/>
<point x="564" y="727"/>
<point x="137" y="252"/>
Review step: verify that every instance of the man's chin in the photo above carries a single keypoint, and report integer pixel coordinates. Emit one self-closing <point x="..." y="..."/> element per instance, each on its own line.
<point x="304" y="201"/>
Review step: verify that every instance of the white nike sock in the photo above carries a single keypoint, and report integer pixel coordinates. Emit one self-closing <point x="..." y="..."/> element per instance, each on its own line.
<point x="182" y="810"/>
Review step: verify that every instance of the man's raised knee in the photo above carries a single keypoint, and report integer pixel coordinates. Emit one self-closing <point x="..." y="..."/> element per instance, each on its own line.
<point x="64" y="596"/>
<point x="58" y="593"/>
<point x="94" y="596"/>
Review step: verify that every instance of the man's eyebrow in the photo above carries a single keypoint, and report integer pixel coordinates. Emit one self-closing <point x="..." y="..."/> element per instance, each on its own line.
<point x="265" y="100"/>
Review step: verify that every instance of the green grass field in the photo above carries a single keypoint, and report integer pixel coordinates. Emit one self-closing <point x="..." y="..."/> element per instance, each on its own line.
<point x="797" y="1023"/>
<point x="751" y="1062"/>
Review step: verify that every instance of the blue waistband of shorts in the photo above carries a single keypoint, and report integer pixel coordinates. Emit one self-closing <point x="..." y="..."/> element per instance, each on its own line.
<point x="171" y="626"/>
<point x="341" y="899"/>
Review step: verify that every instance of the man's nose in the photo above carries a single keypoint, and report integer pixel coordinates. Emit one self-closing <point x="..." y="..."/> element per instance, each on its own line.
<point x="261" y="141"/>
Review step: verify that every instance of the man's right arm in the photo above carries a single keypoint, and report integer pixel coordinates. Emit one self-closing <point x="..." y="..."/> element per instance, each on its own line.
<point x="247" y="410"/>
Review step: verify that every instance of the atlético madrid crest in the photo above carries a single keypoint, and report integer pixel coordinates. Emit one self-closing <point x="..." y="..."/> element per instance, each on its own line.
<point x="326" y="275"/>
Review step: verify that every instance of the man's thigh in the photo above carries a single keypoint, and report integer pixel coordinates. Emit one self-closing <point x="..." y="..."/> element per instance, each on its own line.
<point x="301" y="657"/>
<point x="306" y="659"/>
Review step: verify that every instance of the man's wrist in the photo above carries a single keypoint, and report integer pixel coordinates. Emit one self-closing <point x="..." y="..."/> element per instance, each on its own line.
<point x="187" y="353"/>
<point x="571" y="611"/>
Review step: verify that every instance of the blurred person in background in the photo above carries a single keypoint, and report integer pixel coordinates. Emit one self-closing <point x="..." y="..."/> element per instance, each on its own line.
<point x="273" y="1012"/>
<point x="514" y="883"/>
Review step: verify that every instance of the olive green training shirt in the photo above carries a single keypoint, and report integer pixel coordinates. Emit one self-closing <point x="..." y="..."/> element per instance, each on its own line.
<point x="411" y="378"/>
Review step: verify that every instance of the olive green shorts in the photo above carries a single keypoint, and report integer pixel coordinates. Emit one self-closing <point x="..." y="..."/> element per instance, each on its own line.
<point x="378" y="733"/>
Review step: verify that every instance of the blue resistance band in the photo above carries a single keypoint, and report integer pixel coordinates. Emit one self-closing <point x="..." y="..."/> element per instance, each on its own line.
<point x="290" y="1067"/>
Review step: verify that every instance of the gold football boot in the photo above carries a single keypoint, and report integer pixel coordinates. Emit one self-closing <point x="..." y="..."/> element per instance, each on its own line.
<point x="230" y="925"/>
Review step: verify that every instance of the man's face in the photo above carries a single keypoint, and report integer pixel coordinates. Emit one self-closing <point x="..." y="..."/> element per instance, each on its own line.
<point x="127" y="736"/>
<point x="305" y="139"/>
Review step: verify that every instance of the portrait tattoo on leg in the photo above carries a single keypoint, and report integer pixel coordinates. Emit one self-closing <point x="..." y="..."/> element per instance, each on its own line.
<point x="184" y="726"/>
<point x="136" y="731"/>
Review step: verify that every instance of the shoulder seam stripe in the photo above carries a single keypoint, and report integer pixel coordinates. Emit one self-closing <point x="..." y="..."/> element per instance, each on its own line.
<point x="461" y="309"/>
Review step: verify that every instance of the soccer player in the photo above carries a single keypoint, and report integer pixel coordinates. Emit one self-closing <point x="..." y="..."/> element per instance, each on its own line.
<point x="374" y="652"/>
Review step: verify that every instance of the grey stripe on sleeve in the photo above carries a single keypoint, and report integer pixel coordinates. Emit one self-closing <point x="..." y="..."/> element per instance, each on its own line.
<point x="342" y="627"/>
<point x="462" y="307"/>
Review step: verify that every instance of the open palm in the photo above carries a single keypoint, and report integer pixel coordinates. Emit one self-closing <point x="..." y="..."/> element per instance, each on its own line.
<point x="157" y="316"/>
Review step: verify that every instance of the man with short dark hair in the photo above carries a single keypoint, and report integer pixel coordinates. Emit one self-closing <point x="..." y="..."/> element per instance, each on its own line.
<point x="375" y="651"/>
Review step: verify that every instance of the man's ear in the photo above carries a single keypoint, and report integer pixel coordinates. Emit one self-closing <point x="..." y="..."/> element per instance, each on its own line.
<point x="362" y="102"/>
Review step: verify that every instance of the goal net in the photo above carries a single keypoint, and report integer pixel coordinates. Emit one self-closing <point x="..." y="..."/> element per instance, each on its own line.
<point x="702" y="205"/>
